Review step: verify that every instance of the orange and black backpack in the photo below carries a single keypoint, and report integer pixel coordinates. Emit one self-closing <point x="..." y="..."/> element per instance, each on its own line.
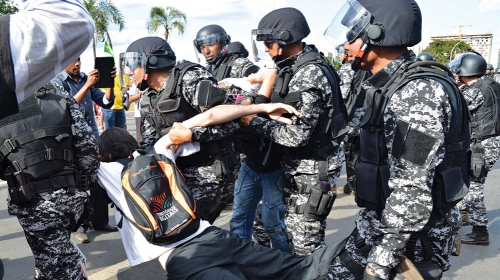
<point x="162" y="206"/>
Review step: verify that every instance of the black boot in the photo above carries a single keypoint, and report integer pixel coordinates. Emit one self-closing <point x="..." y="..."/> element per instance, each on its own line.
<point x="478" y="236"/>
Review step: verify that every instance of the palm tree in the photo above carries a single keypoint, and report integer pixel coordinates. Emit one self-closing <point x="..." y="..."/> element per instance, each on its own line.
<point x="104" y="12"/>
<point x="170" y="18"/>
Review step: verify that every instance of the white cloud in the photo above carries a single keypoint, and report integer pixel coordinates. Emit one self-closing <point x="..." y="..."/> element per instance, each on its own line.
<point x="489" y="5"/>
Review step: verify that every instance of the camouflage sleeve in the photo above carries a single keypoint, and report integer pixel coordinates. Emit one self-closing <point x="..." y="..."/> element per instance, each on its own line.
<point x="424" y="106"/>
<point x="474" y="97"/>
<point x="191" y="86"/>
<point x="314" y="88"/>
<point x="346" y="74"/>
<point x="84" y="140"/>
<point x="215" y="132"/>
<point x="240" y="67"/>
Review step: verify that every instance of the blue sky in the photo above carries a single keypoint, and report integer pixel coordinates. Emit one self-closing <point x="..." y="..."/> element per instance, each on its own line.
<point x="238" y="17"/>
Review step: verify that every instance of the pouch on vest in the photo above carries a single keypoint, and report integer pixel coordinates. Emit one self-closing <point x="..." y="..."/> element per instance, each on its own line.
<point x="320" y="201"/>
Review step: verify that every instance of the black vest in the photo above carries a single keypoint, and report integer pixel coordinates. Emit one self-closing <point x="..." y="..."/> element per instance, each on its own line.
<point x="38" y="141"/>
<point x="170" y="106"/>
<point x="332" y="123"/>
<point x="222" y="68"/>
<point x="485" y="121"/>
<point x="451" y="180"/>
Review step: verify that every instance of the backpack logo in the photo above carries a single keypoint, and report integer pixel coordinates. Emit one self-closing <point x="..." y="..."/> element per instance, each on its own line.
<point x="163" y="207"/>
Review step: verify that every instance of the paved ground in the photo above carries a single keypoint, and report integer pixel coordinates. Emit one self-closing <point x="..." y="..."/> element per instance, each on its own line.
<point x="106" y="257"/>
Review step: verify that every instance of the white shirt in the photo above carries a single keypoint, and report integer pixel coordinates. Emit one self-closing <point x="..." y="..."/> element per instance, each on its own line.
<point x="45" y="37"/>
<point x="137" y="248"/>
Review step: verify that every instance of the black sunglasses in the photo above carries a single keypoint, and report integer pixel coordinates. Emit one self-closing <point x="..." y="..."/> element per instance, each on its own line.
<point x="269" y="44"/>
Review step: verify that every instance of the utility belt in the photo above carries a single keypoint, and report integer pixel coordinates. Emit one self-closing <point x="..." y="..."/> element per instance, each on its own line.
<point x="362" y="249"/>
<point x="23" y="192"/>
<point x="320" y="200"/>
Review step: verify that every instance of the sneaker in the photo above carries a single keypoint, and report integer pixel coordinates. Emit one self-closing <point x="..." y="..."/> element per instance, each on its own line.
<point x="476" y="238"/>
<point x="81" y="236"/>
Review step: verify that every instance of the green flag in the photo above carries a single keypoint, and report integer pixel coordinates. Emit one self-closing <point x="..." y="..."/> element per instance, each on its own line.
<point x="107" y="49"/>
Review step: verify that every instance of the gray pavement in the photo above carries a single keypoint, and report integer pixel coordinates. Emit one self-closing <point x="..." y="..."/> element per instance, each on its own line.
<point x="106" y="257"/>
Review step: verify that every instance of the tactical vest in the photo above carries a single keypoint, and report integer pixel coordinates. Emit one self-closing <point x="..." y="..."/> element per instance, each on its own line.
<point x="451" y="180"/>
<point x="222" y="68"/>
<point x="169" y="106"/>
<point x="356" y="98"/>
<point x="485" y="122"/>
<point x="332" y="123"/>
<point x="38" y="144"/>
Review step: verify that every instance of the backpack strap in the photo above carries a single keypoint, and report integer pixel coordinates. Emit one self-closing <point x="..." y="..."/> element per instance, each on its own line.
<point x="65" y="83"/>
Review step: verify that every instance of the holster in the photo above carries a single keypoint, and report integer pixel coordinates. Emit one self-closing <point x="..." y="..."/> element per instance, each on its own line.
<point x="478" y="164"/>
<point x="320" y="201"/>
<point x="20" y="194"/>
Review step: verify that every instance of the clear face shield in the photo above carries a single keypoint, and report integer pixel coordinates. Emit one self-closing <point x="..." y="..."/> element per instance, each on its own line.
<point x="348" y="24"/>
<point x="129" y="62"/>
<point x="455" y="63"/>
<point x="207" y="41"/>
<point x="262" y="40"/>
<point x="340" y="53"/>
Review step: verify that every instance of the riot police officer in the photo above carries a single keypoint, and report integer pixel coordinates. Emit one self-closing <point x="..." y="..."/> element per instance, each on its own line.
<point x="211" y="41"/>
<point x="312" y="161"/>
<point x="425" y="56"/>
<point x="404" y="167"/>
<point x="176" y="93"/>
<point x="481" y="93"/>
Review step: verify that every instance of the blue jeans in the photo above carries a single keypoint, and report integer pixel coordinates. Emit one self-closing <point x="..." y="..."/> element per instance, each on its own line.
<point x="113" y="118"/>
<point x="248" y="191"/>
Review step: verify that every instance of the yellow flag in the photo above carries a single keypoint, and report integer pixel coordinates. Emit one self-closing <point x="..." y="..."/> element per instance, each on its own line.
<point x="107" y="49"/>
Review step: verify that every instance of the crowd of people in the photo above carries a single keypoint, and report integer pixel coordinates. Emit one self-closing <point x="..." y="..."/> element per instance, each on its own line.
<point x="417" y="138"/>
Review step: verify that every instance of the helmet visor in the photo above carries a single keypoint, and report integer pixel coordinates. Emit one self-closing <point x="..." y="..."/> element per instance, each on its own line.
<point x="348" y="24"/>
<point x="129" y="62"/>
<point x="262" y="40"/>
<point x="208" y="40"/>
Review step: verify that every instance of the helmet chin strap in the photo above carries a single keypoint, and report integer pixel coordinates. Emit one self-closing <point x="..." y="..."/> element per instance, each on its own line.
<point x="278" y="57"/>
<point x="356" y="64"/>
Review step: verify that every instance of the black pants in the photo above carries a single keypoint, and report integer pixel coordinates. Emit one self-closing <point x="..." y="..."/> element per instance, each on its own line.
<point x="220" y="254"/>
<point x="99" y="200"/>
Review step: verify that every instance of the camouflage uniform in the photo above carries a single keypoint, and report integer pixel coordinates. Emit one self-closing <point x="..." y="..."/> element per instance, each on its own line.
<point x="345" y="73"/>
<point x="201" y="179"/>
<point x="408" y="208"/>
<point x="473" y="202"/>
<point x="307" y="234"/>
<point x="48" y="225"/>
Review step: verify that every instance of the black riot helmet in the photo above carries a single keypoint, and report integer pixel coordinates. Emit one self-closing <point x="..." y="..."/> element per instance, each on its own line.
<point x="426" y="56"/>
<point x="150" y="53"/>
<point x="237" y="48"/>
<point x="209" y="36"/>
<point x="384" y="23"/>
<point x="283" y="26"/>
<point x="470" y="64"/>
<point x="489" y="66"/>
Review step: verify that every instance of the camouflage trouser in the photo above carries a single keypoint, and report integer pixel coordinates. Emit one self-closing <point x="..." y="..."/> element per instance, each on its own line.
<point x="259" y="233"/>
<point x="442" y="237"/>
<point x="47" y="227"/>
<point x="208" y="190"/>
<point x="473" y="202"/>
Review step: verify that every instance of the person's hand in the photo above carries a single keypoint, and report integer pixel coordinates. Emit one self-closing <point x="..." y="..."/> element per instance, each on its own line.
<point x="92" y="77"/>
<point x="179" y="134"/>
<point x="276" y="111"/>
<point x="113" y="72"/>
